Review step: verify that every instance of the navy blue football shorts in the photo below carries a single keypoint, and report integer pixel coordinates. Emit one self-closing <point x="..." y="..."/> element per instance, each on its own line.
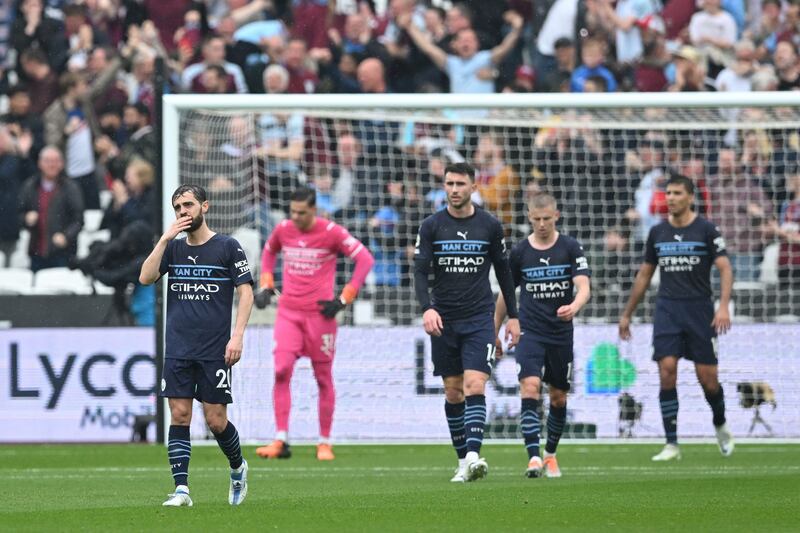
<point x="683" y="328"/>
<point x="464" y="345"/>
<point x="205" y="381"/>
<point x="550" y="362"/>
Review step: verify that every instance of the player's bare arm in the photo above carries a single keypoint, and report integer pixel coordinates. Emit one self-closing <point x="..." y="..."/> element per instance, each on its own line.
<point x="568" y="312"/>
<point x="640" y="285"/>
<point x="722" y="317"/>
<point x="233" y="351"/>
<point x="150" y="273"/>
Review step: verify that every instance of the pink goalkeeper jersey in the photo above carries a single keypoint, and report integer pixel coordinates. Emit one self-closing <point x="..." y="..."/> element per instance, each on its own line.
<point x="309" y="261"/>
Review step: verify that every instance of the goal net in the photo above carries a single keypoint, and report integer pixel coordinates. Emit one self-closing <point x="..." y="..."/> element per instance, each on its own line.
<point x="377" y="165"/>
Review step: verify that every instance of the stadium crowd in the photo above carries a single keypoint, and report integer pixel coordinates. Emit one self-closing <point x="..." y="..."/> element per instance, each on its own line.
<point x="78" y="91"/>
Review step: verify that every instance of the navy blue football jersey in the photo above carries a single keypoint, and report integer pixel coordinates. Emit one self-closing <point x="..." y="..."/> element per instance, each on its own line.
<point x="200" y="285"/>
<point x="462" y="250"/>
<point x="684" y="257"/>
<point x="545" y="281"/>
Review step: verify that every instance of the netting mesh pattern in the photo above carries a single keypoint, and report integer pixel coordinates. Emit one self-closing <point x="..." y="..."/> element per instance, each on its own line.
<point x="379" y="173"/>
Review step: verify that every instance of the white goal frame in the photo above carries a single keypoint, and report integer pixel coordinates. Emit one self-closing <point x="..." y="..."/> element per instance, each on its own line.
<point x="175" y="103"/>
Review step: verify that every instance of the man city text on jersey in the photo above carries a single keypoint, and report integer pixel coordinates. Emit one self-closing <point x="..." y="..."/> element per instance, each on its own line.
<point x="464" y="256"/>
<point x="684" y="257"/>
<point x="201" y="281"/>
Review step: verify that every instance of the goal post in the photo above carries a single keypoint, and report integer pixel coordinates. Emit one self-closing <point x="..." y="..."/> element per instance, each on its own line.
<point x="376" y="161"/>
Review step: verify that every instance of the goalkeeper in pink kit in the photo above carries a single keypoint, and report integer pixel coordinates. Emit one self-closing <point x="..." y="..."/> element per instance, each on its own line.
<point x="306" y="320"/>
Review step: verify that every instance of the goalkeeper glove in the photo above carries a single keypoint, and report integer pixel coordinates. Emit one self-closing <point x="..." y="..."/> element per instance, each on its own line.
<point x="331" y="307"/>
<point x="264" y="298"/>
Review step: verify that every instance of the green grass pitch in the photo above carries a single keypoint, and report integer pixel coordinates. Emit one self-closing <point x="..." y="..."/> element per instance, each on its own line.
<point x="404" y="488"/>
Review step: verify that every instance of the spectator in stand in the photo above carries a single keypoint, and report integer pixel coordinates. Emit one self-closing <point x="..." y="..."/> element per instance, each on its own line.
<point x="559" y="23"/>
<point x="556" y="80"/>
<point x="311" y="21"/>
<point x="34" y="30"/>
<point x="748" y="214"/>
<point x="694" y="168"/>
<point x="738" y="76"/>
<point x="650" y="197"/>
<point x="281" y="142"/>
<point x="788" y="232"/>
<point x="713" y="32"/>
<point x="302" y="80"/>
<point x="167" y="17"/>
<point x="689" y="73"/>
<point x="322" y="184"/>
<point x="139" y="83"/>
<point x="786" y="66"/>
<point x="213" y="52"/>
<point x="523" y="82"/>
<point x="357" y="39"/>
<point x="790" y="30"/>
<point x="140" y="141"/>
<point x="132" y="198"/>
<point x="765" y="35"/>
<point x="71" y="125"/>
<point x="15" y="168"/>
<point x="628" y="19"/>
<point x="650" y="71"/>
<point x="42" y="80"/>
<point x="497" y="182"/>
<point x="52" y="212"/>
<point x="116" y="95"/>
<point x="593" y="57"/>
<point x="214" y="80"/>
<point x="21" y="120"/>
<point x="355" y="191"/>
<point x="471" y="70"/>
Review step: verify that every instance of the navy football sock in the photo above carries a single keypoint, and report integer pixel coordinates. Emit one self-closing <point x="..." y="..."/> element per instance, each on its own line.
<point x="556" y="420"/>
<point x="531" y="425"/>
<point x="179" y="450"/>
<point x="475" y="421"/>
<point x="455" y="421"/>
<point x="717" y="403"/>
<point x="668" y="399"/>
<point x="228" y="442"/>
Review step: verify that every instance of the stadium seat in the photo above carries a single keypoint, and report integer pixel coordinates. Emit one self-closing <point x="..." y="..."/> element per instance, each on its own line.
<point x="16" y="281"/>
<point x="105" y="198"/>
<point x="769" y="265"/>
<point x="86" y="238"/>
<point x="92" y="219"/>
<point x="61" y="281"/>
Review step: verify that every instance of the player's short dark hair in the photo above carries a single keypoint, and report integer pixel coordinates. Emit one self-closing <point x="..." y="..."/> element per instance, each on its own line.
<point x="304" y="194"/>
<point x="461" y="168"/>
<point x="197" y="191"/>
<point x="678" y="179"/>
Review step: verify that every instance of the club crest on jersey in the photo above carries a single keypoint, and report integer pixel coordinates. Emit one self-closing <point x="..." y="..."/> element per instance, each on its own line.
<point x="193" y="259"/>
<point x="462" y="234"/>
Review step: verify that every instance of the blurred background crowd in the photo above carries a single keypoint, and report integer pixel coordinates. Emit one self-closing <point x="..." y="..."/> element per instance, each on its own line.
<point x="77" y="145"/>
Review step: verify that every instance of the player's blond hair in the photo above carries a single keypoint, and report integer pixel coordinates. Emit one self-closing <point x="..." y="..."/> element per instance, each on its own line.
<point x="541" y="200"/>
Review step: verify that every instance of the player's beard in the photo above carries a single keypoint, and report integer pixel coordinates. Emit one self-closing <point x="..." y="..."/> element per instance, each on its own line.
<point x="462" y="202"/>
<point x="196" y="223"/>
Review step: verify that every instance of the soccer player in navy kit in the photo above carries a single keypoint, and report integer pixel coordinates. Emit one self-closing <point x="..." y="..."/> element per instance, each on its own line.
<point x="553" y="274"/>
<point x="462" y="242"/>
<point x="684" y="323"/>
<point x="204" y="270"/>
